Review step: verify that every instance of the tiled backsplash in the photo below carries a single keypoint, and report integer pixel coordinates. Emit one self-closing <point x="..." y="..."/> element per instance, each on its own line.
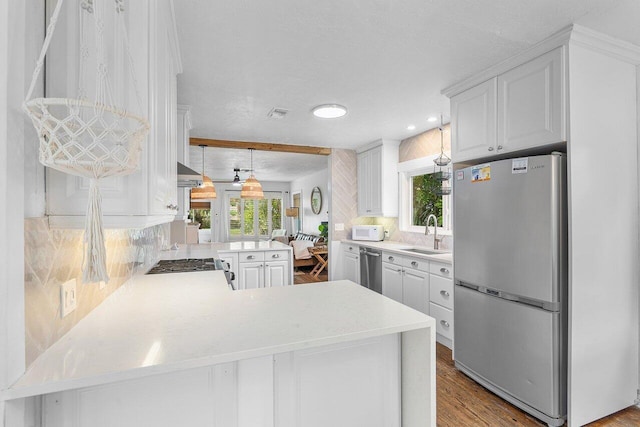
<point x="53" y="257"/>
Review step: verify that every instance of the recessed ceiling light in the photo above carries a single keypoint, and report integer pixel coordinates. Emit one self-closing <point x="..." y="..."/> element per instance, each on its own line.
<point x="411" y="127"/>
<point x="329" y="111"/>
<point x="432" y="119"/>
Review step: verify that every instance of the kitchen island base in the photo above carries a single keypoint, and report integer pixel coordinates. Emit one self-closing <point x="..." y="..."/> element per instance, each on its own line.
<point x="351" y="383"/>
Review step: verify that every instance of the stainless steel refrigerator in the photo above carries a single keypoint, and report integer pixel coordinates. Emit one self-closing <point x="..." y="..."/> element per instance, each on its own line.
<point x="510" y="258"/>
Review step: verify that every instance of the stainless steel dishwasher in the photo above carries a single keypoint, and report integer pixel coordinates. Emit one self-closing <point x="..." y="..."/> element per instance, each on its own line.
<point x="371" y="269"/>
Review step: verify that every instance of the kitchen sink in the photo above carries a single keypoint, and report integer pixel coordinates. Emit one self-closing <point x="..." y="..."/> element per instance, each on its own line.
<point x="424" y="251"/>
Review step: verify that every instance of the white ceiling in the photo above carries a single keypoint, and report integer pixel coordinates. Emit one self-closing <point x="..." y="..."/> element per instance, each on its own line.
<point x="386" y="60"/>
<point x="268" y="165"/>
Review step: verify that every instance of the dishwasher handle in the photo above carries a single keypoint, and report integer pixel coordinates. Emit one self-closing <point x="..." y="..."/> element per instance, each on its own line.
<point x="364" y="252"/>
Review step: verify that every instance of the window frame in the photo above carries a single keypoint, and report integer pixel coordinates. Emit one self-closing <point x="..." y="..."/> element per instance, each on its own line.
<point x="407" y="170"/>
<point x="269" y="195"/>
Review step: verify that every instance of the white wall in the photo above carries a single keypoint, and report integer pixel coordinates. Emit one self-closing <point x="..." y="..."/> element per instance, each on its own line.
<point x="311" y="221"/>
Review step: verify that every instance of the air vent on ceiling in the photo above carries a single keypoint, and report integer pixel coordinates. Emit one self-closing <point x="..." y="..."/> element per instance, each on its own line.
<point x="277" y="113"/>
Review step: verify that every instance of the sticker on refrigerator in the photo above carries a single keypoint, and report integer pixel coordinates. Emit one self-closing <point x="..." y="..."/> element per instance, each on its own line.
<point x="481" y="173"/>
<point x="460" y="175"/>
<point x="520" y="165"/>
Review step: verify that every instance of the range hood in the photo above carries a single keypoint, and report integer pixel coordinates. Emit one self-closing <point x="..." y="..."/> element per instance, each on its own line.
<point x="187" y="177"/>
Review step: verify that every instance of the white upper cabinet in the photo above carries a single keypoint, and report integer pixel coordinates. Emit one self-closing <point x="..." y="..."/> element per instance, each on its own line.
<point x="522" y="108"/>
<point x="378" y="179"/>
<point x="473" y="122"/>
<point x="531" y="111"/>
<point x="149" y="195"/>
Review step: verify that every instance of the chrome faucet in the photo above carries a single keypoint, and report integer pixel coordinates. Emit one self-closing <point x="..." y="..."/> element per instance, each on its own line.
<point x="435" y="230"/>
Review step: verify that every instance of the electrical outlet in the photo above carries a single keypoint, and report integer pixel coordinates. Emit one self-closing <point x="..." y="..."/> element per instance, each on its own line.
<point x="102" y="284"/>
<point x="68" y="297"/>
<point x="386" y="234"/>
<point x="339" y="227"/>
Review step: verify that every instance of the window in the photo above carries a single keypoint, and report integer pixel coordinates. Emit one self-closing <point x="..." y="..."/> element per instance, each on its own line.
<point x="419" y="196"/>
<point x="254" y="218"/>
<point x="425" y="199"/>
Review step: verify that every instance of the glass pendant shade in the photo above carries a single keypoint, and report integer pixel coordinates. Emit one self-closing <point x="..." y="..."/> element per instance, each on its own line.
<point x="251" y="189"/>
<point x="207" y="191"/>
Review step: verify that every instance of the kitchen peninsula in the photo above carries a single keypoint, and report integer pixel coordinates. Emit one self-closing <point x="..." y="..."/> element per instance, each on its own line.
<point x="183" y="349"/>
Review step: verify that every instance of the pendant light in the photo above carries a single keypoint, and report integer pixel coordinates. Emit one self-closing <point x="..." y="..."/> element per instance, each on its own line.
<point x="251" y="189"/>
<point x="207" y="190"/>
<point x="442" y="159"/>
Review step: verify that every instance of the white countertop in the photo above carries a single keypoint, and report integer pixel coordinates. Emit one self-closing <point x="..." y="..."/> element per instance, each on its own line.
<point x="167" y="322"/>
<point x="210" y="250"/>
<point x="401" y="249"/>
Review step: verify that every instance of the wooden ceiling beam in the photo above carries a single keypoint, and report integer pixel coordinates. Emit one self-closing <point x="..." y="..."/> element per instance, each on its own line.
<point x="260" y="146"/>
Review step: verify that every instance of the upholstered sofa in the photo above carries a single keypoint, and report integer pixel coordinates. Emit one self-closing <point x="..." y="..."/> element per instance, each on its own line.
<point x="304" y="258"/>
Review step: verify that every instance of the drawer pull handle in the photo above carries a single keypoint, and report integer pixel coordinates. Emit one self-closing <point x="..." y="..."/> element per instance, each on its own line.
<point x="490" y="148"/>
<point x="444" y="293"/>
<point x="391" y="258"/>
<point x="399" y="270"/>
<point x="414" y="263"/>
<point x="251" y="257"/>
<point x="499" y="147"/>
<point x="350" y="248"/>
<point x="444" y="270"/>
<point x="275" y="256"/>
<point x="444" y="323"/>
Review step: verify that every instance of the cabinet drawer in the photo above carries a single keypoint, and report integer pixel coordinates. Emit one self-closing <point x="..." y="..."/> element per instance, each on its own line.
<point x="251" y="256"/>
<point x="349" y="248"/>
<point x="418" y="264"/>
<point x="392" y="258"/>
<point x="276" y="255"/>
<point x="441" y="269"/>
<point x="441" y="291"/>
<point x="444" y="320"/>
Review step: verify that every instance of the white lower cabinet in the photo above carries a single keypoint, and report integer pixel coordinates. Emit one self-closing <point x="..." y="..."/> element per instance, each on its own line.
<point x="351" y="263"/>
<point x="260" y="269"/>
<point x="349" y="384"/>
<point x="424" y="285"/>
<point x="406" y="285"/>
<point x="441" y="301"/>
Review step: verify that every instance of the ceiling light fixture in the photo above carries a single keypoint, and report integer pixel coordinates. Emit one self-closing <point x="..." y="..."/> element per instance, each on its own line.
<point x="207" y="190"/>
<point x="411" y="127"/>
<point x="432" y="119"/>
<point x="251" y="189"/>
<point x="236" y="179"/>
<point x="329" y="111"/>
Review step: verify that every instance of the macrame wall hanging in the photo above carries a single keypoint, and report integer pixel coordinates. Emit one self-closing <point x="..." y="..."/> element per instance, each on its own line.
<point x="91" y="138"/>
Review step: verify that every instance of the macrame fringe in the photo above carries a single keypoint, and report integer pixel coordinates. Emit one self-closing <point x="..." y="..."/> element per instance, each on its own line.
<point x="94" y="264"/>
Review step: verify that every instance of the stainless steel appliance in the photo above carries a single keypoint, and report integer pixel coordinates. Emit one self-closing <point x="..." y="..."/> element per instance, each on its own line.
<point x="371" y="269"/>
<point x="367" y="232"/>
<point x="193" y="264"/>
<point x="510" y="259"/>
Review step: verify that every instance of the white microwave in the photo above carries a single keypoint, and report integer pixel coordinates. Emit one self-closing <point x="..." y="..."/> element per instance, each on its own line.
<point x="367" y="232"/>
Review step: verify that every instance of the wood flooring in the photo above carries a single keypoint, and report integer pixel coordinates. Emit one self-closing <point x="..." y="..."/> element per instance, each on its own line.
<point x="463" y="402"/>
<point x="303" y="276"/>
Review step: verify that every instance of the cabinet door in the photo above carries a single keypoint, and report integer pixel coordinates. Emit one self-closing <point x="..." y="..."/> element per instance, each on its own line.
<point x="415" y="289"/>
<point x="374" y="182"/>
<point x="163" y="108"/>
<point x="363" y="169"/>
<point x="392" y="281"/>
<point x="531" y="103"/>
<point x="276" y="273"/>
<point x="473" y="122"/>
<point x="351" y="266"/>
<point x="251" y="275"/>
